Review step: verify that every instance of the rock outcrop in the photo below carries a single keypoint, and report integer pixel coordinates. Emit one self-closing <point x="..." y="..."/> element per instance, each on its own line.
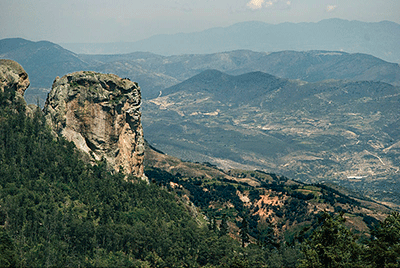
<point x="100" y="114"/>
<point x="13" y="77"/>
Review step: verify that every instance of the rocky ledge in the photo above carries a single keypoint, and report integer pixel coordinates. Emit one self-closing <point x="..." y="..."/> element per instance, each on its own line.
<point x="100" y="114"/>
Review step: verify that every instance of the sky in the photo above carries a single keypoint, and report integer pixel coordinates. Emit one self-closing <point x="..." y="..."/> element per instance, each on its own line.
<point x="103" y="21"/>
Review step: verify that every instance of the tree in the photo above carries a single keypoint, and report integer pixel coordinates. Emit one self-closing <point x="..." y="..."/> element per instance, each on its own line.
<point x="212" y="226"/>
<point x="244" y="232"/>
<point x="331" y="245"/>
<point x="384" y="247"/>
<point x="267" y="239"/>
<point x="218" y="251"/>
<point x="7" y="250"/>
<point x="223" y="227"/>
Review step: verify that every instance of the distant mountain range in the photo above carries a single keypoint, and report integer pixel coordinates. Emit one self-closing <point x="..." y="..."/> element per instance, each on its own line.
<point x="339" y="131"/>
<point x="379" y="39"/>
<point x="45" y="60"/>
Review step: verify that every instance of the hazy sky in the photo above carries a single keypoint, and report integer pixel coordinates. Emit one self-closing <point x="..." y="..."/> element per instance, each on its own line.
<point x="65" y="21"/>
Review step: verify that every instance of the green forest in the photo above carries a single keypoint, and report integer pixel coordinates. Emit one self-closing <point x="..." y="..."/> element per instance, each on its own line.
<point x="56" y="210"/>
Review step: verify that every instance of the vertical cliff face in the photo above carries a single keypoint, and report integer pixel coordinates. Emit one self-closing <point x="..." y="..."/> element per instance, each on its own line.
<point x="100" y="114"/>
<point x="13" y="77"/>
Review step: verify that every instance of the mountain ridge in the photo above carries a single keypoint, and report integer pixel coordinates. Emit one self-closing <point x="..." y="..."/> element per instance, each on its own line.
<point x="159" y="72"/>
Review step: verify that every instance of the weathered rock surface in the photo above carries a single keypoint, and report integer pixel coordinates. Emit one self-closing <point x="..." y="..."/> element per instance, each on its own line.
<point x="13" y="77"/>
<point x="100" y="114"/>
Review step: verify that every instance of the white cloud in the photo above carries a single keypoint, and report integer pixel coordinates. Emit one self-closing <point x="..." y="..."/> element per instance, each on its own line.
<point x="331" y="8"/>
<point x="255" y="4"/>
<point x="258" y="4"/>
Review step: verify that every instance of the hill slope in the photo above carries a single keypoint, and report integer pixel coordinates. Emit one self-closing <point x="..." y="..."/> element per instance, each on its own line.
<point x="266" y="200"/>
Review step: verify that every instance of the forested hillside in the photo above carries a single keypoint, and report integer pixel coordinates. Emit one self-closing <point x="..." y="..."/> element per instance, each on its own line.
<point x="55" y="210"/>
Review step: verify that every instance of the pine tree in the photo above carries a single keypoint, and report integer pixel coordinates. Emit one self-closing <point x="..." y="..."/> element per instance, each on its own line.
<point x="213" y="224"/>
<point x="7" y="250"/>
<point x="331" y="245"/>
<point x="267" y="238"/>
<point x="244" y="232"/>
<point x="384" y="248"/>
<point x="223" y="227"/>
